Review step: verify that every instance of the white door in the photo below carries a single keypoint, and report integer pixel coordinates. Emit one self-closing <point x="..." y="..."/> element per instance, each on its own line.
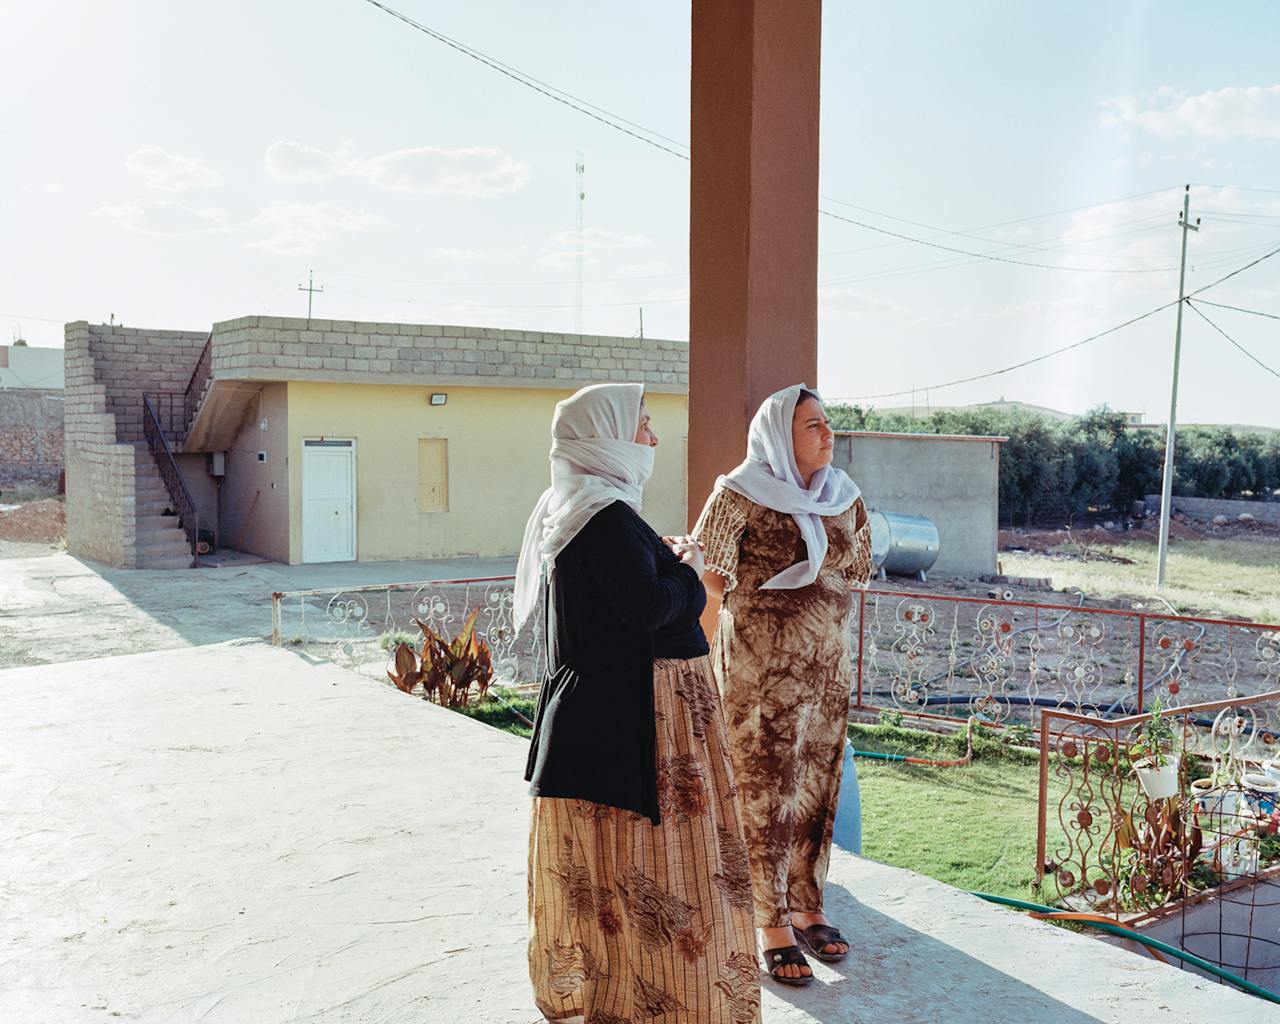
<point x="328" y="501"/>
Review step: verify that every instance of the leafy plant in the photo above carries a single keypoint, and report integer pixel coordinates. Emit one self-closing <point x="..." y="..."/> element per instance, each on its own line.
<point x="893" y="719"/>
<point x="445" y="670"/>
<point x="1155" y="739"/>
<point x="393" y="638"/>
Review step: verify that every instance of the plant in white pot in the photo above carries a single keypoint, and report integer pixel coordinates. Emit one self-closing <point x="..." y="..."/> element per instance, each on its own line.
<point x="1153" y="757"/>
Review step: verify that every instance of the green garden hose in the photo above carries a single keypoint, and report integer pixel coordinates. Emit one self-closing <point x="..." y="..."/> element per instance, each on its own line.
<point x="1127" y="933"/>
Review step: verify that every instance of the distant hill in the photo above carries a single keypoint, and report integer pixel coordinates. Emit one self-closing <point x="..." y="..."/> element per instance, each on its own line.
<point x="1135" y="419"/>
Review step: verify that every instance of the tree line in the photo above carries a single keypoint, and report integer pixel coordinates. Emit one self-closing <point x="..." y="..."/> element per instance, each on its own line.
<point x="1095" y="463"/>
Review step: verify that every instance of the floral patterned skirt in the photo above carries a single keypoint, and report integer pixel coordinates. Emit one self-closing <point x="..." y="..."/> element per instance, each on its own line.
<point x="635" y="924"/>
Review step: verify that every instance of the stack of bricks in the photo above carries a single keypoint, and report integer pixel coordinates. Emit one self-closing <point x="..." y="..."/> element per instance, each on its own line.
<point x="278" y="348"/>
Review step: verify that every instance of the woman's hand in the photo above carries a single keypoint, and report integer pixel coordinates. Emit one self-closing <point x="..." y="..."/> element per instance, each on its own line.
<point x="689" y="551"/>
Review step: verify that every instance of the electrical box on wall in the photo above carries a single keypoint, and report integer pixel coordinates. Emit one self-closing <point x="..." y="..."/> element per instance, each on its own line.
<point x="217" y="463"/>
<point x="262" y="456"/>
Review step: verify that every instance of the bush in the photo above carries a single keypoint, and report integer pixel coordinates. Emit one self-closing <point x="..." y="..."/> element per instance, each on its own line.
<point x="1054" y="470"/>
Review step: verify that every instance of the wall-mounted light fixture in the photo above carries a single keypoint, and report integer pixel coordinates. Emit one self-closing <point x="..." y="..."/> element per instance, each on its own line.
<point x="439" y="398"/>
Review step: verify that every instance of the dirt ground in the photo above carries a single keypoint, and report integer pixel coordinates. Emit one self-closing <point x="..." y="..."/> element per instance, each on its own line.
<point x="32" y="529"/>
<point x="1181" y="528"/>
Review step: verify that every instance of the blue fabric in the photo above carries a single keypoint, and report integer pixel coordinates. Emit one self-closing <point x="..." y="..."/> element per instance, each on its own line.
<point x="848" y="828"/>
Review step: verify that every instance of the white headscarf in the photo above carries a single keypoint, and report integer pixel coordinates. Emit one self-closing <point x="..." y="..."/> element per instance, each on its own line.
<point x="769" y="477"/>
<point x="595" y="461"/>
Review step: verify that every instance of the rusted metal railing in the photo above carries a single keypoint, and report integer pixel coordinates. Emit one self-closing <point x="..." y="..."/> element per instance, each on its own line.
<point x="942" y="655"/>
<point x="1104" y="844"/>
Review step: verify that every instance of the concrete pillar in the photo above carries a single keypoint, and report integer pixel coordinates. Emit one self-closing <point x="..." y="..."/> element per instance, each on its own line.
<point x="753" y="219"/>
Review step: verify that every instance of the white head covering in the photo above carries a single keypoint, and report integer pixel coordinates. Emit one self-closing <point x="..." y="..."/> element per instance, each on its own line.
<point x="769" y="477"/>
<point x="595" y="461"/>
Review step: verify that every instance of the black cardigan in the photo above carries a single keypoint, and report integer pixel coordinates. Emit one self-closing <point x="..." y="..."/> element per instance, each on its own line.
<point x="621" y="598"/>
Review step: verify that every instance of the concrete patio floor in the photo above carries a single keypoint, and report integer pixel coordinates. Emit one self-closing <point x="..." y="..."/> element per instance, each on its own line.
<point x="58" y="608"/>
<point x="233" y="834"/>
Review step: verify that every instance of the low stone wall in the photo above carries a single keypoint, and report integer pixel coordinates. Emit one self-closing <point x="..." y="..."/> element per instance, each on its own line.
<point x="284" y="348"/>
<point x="1207" y="508"/>
<point x="31" y="438"/>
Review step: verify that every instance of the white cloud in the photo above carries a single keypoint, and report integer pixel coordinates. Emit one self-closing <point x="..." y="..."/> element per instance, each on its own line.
<point x="655" y="268"/>
<point x="170" y="172"/>
<point x="163" y="218"/>
<point x="474" y="172"/>
<point x="599" y="238"/>
<point x="561" y="258"/>
<point x="478" y="172"/>
<point x="292" y="161"/>
<point x="1233" y="112"/>
<point x="458" y="255"/>
<point x="301" y="227"/>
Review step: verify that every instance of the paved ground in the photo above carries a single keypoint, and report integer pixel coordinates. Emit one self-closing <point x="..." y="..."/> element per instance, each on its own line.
<point x="233" y="835"/>
<point x="59" y="608"/>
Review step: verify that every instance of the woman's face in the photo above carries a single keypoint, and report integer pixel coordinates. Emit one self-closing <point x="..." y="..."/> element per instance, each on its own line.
<point x="811" y="438"/>
<point x="645" y="434"/>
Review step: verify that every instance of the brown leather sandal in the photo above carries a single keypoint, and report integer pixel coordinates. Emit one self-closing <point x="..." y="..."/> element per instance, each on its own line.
<point x="818" y="936"/>
<point x="786" y="956"/>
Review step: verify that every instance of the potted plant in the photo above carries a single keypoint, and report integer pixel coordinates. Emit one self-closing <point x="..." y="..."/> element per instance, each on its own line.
<point x="1153" y="757"/>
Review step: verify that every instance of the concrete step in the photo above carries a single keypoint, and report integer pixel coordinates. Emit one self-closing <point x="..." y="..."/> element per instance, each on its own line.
<point x="163" y="549"/>
<point x="147" y="562"/>
<point x="152" y="507"/>
<point x="160" y="538"/>
<point x="155" y="521"/>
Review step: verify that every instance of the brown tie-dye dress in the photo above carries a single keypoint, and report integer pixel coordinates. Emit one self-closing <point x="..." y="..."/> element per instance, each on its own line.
<point x="782" y="662"/>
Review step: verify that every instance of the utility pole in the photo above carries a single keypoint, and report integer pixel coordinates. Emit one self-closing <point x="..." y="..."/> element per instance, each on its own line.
<point x="642" y="323"/>
<point x="1166" y="492"/>
<point x="580" y="168"/>
<point x="311" y="290"/>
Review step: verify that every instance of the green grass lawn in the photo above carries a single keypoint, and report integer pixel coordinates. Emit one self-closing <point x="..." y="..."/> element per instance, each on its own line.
<point x="973" y="827"/>
<point x="1232" y="578"/>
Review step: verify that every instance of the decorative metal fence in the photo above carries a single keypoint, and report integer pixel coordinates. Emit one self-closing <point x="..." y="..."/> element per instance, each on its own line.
<point x="1003" y="660"/>
<point x="1110" y="842"/>
<point x="361" y="625"/>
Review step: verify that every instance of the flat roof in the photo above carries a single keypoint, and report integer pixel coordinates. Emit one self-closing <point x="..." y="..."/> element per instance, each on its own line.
<point x="989" y="438"/>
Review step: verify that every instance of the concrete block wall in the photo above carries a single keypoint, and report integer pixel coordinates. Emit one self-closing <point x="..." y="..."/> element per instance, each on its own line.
<point x="953" y="481"/>
<point x="129" y="361"/>
<point x="31" y="438"/>
<point x="291" y="349"/>
<point x="1207" y="508"/>
<point x="100" y="502"/>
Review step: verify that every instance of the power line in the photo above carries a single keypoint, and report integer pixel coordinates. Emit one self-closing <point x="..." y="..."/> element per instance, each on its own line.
<point x="1025" y="362"/>
<point x="560" y="96"/>
<point x="635" y="131"/>
<point x="1200" y="313"/>
<point x="1239" y="309"/>
<point x="997" y="259"/>
<point x="41" y="319"/>
<point x="1241" y="270"/>
<point x="1086" y="341"/>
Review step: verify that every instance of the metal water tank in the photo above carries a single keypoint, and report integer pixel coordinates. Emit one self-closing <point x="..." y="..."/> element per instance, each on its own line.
<point x="903" y="545"/>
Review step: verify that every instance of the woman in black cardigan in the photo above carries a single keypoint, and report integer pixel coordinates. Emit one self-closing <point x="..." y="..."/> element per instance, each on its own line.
<point x="639" y="882"/>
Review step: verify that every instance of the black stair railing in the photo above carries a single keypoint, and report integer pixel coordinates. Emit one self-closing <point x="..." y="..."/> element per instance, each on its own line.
<point x="196" y="385"/>
<point x="162" y="452"/>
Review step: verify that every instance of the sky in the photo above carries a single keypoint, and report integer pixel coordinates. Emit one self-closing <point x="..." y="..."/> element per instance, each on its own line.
<point x="173" y="165"/>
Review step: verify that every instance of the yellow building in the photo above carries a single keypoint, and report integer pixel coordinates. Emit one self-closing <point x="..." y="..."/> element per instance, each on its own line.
<point x="323" y="441"/>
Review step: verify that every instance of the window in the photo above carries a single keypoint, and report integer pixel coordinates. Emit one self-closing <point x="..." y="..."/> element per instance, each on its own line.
<point x="433" y="474"/>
